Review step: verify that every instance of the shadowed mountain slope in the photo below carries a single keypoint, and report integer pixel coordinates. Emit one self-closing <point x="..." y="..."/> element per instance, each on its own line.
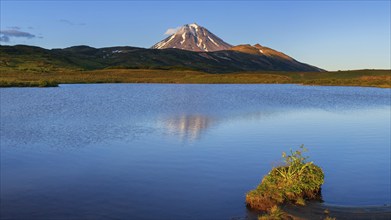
<point x="89" y="58"/>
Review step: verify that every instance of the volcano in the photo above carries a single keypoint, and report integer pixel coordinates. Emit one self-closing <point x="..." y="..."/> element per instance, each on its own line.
<point x="193" y="37"/>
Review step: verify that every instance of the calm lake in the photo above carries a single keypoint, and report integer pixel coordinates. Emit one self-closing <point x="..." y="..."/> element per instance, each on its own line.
<point x="164" y="151"/>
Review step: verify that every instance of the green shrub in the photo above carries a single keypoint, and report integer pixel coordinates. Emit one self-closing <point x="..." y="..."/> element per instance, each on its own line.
<point x="300" y="201"/>
<point x="46" y="83"/>
<point x="274" y="213"/>
<point x="295" y="181"/>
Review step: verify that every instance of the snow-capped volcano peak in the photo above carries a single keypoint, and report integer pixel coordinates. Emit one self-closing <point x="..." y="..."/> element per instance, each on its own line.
<point x="193" y="37"/>
<point x="194" y="25"/>
<point x="191" y="28"/>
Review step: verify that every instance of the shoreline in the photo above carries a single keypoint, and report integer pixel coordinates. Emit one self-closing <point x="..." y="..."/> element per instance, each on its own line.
<point x="54" y="85"/>
<point x="314" y="210"/>
<point x="361" y="78"/>
<point x="318" y="210"/>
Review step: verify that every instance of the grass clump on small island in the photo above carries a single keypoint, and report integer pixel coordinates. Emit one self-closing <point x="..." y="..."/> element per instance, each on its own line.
<point x="296" y="181"/>
<point x="274" y="213"/>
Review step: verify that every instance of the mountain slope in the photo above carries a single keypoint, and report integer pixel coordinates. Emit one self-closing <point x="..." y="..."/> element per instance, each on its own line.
<point x="89" y="58"/>
<point x="273" y="55"/>
<point x="257" y="49"/>
<point x="194" y="38"/>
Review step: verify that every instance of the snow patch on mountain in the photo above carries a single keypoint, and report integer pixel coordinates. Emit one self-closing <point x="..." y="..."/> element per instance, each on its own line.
<point x="213" y="41"/>
<point x="183" y="37"/>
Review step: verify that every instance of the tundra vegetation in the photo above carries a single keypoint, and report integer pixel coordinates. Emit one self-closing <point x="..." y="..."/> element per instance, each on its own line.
<point x="26" y="66"/>
<point x="35" y="77"/>
<point x="296" y="181"/>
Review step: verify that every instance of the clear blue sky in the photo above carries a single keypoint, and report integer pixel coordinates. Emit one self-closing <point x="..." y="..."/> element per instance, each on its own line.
<point x="329" y="34"/>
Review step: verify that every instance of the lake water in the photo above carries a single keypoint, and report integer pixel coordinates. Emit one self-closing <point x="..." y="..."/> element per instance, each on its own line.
<point x="164" y="151"/>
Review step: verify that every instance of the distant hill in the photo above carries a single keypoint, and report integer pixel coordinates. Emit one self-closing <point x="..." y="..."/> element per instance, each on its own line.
<point x="191" y="47"/>
<point x="257" y="49"/>
<point x="276" y="57"/>
<point x="22" y="57"/>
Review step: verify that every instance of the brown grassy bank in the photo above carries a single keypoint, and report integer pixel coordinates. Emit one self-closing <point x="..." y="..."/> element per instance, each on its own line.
<point x="15" y="78"/>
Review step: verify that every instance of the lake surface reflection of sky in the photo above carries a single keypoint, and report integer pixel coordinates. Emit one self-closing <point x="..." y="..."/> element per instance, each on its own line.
<point x="147" y="151"/>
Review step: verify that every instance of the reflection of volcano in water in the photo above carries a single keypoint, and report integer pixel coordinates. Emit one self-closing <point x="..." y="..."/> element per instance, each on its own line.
<point x="189" y="127"/>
